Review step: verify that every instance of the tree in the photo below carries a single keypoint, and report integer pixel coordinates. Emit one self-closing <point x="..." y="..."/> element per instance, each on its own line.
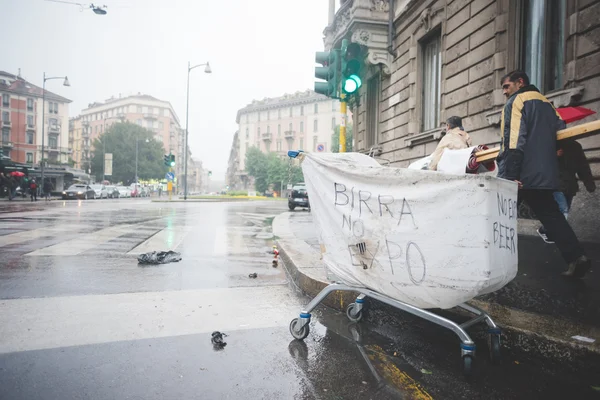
<point x="270" y="169"/>
<point x="335" y="139"/>
<point x="120" y="140"/>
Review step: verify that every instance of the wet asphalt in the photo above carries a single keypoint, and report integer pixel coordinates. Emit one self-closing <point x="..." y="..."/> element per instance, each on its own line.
<point x="80" y="319"/>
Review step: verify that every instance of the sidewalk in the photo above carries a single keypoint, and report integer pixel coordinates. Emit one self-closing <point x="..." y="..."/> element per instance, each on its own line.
<point x="538" y="301"/>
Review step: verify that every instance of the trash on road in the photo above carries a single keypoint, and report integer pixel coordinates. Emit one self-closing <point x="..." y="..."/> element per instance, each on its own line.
<point x="253" y="275"/>
<point x="160" y="257"/>
<point x="583" y="339"/>
<point x="217" y="339"/>
<point x="426" y="372"/>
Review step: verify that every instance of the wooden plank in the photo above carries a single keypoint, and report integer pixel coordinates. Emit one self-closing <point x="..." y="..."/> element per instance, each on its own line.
<point x="579" y="132"/>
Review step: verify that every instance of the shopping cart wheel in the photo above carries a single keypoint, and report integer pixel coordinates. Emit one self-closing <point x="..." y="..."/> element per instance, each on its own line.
<point x="468" y="365"/>
<point x="494" y="346"/>
<point x="353" y="314"/>
<point x="299" y="333"/>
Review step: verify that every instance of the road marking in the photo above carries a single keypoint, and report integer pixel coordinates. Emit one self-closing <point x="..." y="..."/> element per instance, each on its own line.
<point x="166" y="239"/>
<point x="391" y="373"/>
<point x="19" y="237"/>
<point x="84" y="242"/>
<point x="220" y="247"/>
<point x="46" y="323"/>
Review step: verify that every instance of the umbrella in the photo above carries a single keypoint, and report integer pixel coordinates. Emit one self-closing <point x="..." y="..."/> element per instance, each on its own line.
<point x="572" y="114"/>
<point x="17" y="174"/>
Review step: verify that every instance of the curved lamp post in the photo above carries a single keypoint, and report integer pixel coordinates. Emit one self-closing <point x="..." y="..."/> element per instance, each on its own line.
<point x="65" y="83"/>
<point x="207" y="70"/>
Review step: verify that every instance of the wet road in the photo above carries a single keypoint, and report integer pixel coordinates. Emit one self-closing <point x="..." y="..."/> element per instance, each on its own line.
<point x="79" y="319"/>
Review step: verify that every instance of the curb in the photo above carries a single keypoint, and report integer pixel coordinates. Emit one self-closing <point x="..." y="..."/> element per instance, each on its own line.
<point x="521" y="328"/>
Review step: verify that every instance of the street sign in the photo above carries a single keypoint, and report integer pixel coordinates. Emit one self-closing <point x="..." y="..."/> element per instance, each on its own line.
<point x="170" y="176"/>
<point x="320" y="147"/>
<point x="289" y="187"/>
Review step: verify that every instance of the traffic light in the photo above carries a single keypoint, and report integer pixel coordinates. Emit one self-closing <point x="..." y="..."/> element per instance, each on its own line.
<point x="328" y="72"/>
<point x="167" y="160"/>
<point x="172" y="160"/>
<point x="209" y="173"/>
<point x="352" y="61"/>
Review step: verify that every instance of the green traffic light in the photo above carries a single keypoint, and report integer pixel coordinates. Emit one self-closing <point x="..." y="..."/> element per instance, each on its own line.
<point x="352" y="84"/>
<point x="172" y="163"/>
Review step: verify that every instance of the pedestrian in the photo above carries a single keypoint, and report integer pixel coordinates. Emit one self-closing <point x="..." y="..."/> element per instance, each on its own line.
<point x="12" y="187"/>
<point x="159" y="191"/>
<point x="47" y="189"/>
<point x="572" y="164"/>
<point x="455" y="139"/>
<point x="33" y="189"/>
<point x="528" y="156"/>
<point x="3" y="183"/>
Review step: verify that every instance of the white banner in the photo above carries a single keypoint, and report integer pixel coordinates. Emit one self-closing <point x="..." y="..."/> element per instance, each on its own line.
<point x="108" y="157"/>
<point x="426" y="238"/>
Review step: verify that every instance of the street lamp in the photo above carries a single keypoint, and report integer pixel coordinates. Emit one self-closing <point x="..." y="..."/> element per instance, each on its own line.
<point x="65" y="83"/>
<point x="136" y="155"/>
<point x="207" y="70"/>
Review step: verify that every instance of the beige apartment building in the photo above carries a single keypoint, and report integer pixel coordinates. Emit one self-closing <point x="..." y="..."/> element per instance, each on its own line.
<point x="303" y="120"/>
<point x="441" y="58"/>
<point x="146" y="111"/>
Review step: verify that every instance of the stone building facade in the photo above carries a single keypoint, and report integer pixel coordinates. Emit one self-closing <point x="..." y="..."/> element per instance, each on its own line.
<point x="441" y="58"/>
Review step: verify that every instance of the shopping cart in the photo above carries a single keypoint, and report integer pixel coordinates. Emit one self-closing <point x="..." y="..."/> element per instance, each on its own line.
<point x="433" y="283"/>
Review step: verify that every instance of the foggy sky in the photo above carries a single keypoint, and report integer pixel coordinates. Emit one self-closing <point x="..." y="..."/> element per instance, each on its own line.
<point x="257" y="49"/>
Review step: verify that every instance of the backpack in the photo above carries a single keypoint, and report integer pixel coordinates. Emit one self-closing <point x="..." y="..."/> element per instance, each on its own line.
<point x="33" y="185"/>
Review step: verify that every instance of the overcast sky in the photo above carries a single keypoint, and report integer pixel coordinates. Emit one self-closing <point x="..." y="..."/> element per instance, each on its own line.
<point x="256" y="48"/>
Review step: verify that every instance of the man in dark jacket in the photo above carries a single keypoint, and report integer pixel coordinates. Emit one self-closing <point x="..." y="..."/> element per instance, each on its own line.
<point x="528" y="156"/>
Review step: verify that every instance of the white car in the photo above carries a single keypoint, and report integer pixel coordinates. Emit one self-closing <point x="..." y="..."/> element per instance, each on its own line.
<point x="100" y="191"/>
<point x="124" y="191"/>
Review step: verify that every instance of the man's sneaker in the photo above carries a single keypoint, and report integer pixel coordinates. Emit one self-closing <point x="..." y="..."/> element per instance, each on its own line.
<point x="544" y="236"/>
<point x="578" y="268"/>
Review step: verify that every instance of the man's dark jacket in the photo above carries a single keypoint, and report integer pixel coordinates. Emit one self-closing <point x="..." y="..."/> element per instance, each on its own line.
<point x="528" y="148"/>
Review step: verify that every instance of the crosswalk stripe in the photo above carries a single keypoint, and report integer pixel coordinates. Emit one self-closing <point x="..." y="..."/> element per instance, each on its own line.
<point x="166" y="239"/>
<point x="84" y="242"/>
<point x="19" y="237"/>
<point x="45" y="323"/>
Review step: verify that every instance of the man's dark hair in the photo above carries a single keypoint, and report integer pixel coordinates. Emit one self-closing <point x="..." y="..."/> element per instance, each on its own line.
<point x="454" y="122"/>
<point x="515" y="76"/>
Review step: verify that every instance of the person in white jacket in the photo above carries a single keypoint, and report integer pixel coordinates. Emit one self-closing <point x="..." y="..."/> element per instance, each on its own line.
<point x="455" y="139"/>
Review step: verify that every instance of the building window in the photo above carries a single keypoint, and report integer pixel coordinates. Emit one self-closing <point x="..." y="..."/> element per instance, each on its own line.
<point x="30" y="120"/>
<point x="139" y="109"/>
<point x="291" y="112"/>
<point x="315" y="125"/>
<point x="150" y="110"/>
<point x="29" y="137"/>
<point x="542" y="42"/>
<point x="52" y="142"/>
<point x="279" y="113"/>
<point x="30" y="158"/>
<point x="5" y="135"/>
<point x="259" y="116"/>
<point x="372" y="128"/>
<point x="291" y="127"/>
<point x="29" y="104"/>
<point x="301" y="143"/>
<point x="279" y="130"/>
<point x="258" y="131"/>
<point x="246" y="118"/>
<point x="247" y="133"/>
<point x="432" y="68"/>
<point x="5" y="116"/>
<point x="139" y="122"/>
<point x="315" y="138"/>
<point x="5" y="100"/>
<point x="268" y="115"/>
<point x="333" y="123"/>
<point x="268" y="129"/>
<point x="109" y="113"/>
<point x="333" y="106"/>
<point x="301" y="126"/>
<point x="301" y="110"/>
<point x="279" y="145"/>
<point x="316" y="108"/>
<point x="161" y="125"/>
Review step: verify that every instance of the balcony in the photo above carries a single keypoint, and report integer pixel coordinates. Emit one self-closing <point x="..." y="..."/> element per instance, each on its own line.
<point x="6" y="123"/>
<point x="290" y="134"/>
<point x="6" y="144"/>
<point x="54" y="128"/>
<point x="267" y="136"/>
<point x="150" y="116"/>
<point x="30" y="128"/>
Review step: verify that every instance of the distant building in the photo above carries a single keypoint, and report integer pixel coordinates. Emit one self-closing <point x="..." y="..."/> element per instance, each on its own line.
<point x="303" y="120"/>
<point x="146" y="111"/>
<point x="21" y="122"/>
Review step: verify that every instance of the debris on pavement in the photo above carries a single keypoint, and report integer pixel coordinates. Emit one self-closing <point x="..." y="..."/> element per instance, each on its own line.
<point x="217" y="340"/>
<point x="160" y="257"/>
<point x="583" y="339"/>
<point x="426" y="372"/>
<point x="253" y="275"/>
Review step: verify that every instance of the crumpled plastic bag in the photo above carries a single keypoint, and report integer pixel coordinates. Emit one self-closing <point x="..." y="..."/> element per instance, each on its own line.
<point x="160" y="257"/>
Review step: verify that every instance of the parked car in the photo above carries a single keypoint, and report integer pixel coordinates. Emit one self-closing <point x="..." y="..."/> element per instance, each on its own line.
<point x="113" y="192"/>
<point x="298" y="197"/>
<point x="78" y="191"/>
<point x="100" y="191"/>
<point x="136" y="190"/>
<point x="124" y="191"/>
